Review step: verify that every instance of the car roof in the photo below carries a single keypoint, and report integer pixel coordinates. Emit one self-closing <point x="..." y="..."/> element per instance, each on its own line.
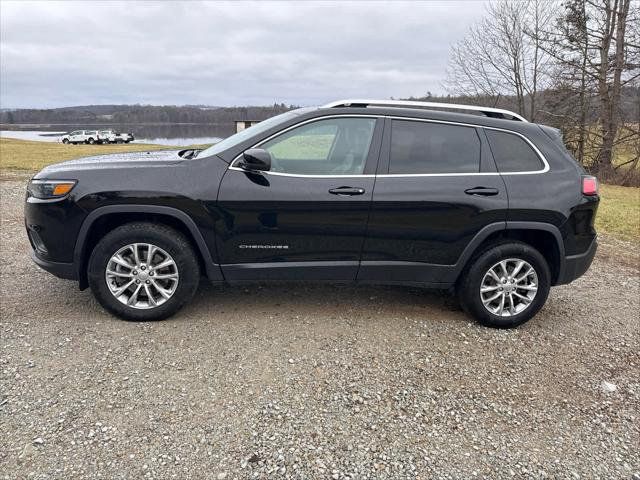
<point x="492" y="112"/>
<point x="472" y="119"/>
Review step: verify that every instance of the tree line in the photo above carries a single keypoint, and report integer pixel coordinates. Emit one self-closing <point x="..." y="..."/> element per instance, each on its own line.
<point x="574" y="65"/>
<point x="140" y="114"/>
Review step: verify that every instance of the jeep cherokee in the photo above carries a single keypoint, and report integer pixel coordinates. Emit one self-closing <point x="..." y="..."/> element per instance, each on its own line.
<point x="473" y="199"/>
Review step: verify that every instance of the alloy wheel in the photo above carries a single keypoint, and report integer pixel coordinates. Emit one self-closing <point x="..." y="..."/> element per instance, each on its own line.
<point x="142" y="275"/>
<point x="509" y="287"/>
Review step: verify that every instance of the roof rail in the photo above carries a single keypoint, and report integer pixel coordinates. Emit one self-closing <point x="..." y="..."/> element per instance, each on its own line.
<point x="488" y="111"/>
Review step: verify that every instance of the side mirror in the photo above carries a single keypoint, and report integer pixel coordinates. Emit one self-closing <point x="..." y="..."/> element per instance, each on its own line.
<point x="189" y="153"/>
<point x="255" y="159"/>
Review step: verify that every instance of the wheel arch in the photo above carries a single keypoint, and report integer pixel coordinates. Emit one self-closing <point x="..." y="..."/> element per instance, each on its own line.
<point x="544" y="237"/>
<point x="104" y="219"/>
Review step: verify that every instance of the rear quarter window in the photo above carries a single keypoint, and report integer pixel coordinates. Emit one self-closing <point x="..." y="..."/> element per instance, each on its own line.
<point x="424" y="147"/>
<point x="512" y="153"/>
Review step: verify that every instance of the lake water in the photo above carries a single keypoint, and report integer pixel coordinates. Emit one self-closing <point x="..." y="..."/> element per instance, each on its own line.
<point x="164" y="134"/>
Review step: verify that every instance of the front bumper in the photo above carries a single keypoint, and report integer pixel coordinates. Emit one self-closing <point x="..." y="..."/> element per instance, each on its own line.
<point x="576" y="265"/>
<point x="60" y="270"/>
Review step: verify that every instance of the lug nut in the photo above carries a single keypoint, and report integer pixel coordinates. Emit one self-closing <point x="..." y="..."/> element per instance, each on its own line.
<point x="135" y="272"/>
<point x="513" y="281"/>
<point x="504" y="280"/>
<point x="151" y="274"/>
<point x="143" y="267"/>
<point x="137" y="281"/>
<point x="147" y="282"/>
<point x="501" y="289"/>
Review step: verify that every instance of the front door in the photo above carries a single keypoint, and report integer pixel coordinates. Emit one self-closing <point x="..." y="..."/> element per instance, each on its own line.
<point x="305" y="219"/>
<point x="437" y="188"/>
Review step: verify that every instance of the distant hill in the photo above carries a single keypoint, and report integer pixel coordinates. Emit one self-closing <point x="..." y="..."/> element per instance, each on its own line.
<point x="134" y="114"/>
<point x="551" y="106"/>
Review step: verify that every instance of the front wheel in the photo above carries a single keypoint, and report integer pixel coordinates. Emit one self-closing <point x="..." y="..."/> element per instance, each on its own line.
<point x="65" y="141"/>
<point x="506" y="285"/>
<point x="143" y="271"/>
<point x="91" y="141"/>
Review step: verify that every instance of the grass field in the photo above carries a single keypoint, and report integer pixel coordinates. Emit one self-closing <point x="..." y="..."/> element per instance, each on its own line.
<point x="618" y="213"/>
<point x="33" y="156"/>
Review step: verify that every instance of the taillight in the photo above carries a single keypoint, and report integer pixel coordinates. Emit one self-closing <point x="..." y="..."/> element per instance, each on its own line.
<point x="589" y="185"/>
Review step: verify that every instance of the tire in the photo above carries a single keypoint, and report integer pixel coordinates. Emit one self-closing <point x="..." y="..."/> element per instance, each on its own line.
<point x="476" y="276"/>
<point x="65" y="141"/>
<point x="91" y="141"/>
<point x="168" y="242"/>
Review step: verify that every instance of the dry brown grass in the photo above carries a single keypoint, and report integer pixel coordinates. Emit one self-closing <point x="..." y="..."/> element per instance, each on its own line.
<point x="33" y="156"/>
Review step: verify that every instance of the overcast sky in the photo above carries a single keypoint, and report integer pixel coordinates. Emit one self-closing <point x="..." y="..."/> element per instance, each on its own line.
<point x="73" y="53"/>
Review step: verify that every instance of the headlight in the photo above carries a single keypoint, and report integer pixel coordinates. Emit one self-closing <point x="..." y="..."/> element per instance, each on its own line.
<point x="48" y="189"/>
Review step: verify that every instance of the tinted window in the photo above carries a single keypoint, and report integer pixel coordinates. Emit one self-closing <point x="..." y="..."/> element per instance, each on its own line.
<point x="336" y="146"/>
<point x="512" y="153"/>
<point x="422" y="147"/>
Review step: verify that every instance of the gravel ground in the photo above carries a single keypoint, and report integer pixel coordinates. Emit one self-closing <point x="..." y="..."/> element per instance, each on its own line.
<point x="305" y="382"/>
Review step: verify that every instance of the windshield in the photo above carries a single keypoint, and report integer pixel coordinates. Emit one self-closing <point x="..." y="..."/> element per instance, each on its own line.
<point x="250" y="132"/>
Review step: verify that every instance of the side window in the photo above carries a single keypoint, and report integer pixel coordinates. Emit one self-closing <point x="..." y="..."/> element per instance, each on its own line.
<point x="335" y="146"/>
<point x="423" y="147"/>
<point x="512" y="153"/>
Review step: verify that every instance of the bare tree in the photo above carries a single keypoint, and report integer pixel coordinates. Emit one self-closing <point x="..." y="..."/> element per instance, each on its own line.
<point x="596" y="57"/>
<point x="502" y="55"/>
<point x="567" y="41"/>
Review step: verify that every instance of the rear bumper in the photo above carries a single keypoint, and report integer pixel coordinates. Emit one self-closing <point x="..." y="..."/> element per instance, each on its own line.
<point x="60" y="270"/>
<point x="576" y="265"/>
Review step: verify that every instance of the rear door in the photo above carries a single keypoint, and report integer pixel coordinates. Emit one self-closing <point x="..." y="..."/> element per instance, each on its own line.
<point x="306" y="218"/>
<point x="437" y="188"/>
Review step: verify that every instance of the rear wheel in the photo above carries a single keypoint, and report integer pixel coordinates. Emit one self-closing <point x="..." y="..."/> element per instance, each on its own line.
<point x="143" y="271"/>
<point x="506" y="285"/>
<point x="91" y="141"/>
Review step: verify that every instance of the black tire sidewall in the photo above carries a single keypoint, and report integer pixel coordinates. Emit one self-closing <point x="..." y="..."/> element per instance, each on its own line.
<point x="469" y="292"/>
<point x="171" y="241"/>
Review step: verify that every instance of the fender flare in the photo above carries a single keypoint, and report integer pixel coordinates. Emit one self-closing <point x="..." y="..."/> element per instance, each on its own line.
<point x="484" y="233"/>
<point x="547" y="227"/>
<point x="212" y="269"/>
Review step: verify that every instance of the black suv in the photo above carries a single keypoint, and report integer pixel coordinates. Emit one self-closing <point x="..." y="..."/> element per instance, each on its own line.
<point x="369" y="191"/>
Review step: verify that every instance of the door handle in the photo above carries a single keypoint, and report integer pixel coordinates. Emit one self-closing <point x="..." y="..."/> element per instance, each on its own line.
<point x="484" y="191"/>
<point x="346" y="191"/>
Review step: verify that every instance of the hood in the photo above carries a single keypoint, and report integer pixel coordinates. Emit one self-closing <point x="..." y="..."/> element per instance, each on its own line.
<point x="156" y="158"/>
